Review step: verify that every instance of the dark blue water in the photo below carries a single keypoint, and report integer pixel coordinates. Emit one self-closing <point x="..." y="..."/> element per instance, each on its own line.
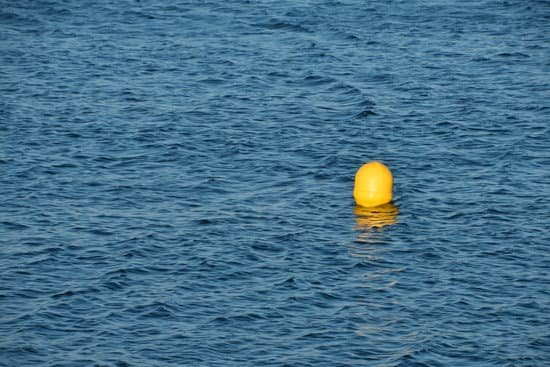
<point x="176" y="179"/>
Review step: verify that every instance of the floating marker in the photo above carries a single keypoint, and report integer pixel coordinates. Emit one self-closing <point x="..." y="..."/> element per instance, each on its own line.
<point x="373" y="185"/>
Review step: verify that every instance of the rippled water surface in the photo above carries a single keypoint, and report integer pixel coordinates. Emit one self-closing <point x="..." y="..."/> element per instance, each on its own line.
<point x="176" y="178"/>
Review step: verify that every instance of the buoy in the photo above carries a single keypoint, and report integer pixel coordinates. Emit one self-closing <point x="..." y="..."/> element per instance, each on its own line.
<point x="373" y="184"/>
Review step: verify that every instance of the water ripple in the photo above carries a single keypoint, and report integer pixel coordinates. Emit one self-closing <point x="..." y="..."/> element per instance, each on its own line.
<point x="176" y="183"/>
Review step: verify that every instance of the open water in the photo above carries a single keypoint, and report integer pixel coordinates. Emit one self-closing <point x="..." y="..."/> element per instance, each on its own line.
<point x="176" y="179"/>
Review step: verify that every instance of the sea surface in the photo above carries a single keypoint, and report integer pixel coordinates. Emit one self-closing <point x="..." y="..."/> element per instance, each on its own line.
<point x="176" y="183"/>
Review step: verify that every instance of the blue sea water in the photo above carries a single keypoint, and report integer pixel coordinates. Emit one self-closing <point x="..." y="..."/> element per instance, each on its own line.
<point x="176" y="178"/>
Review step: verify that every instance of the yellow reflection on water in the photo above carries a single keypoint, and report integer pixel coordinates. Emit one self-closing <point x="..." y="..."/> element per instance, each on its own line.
<point x="370" y="222"/>
<point x="372" y="249"/>
<point x="367" y="219"/>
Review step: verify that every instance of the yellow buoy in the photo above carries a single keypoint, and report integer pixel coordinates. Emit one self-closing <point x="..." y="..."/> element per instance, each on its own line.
<point x="373" y="185"/>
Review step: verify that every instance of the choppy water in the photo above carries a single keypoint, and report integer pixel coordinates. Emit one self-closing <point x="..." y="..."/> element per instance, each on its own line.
<point x="176" y="182"/>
